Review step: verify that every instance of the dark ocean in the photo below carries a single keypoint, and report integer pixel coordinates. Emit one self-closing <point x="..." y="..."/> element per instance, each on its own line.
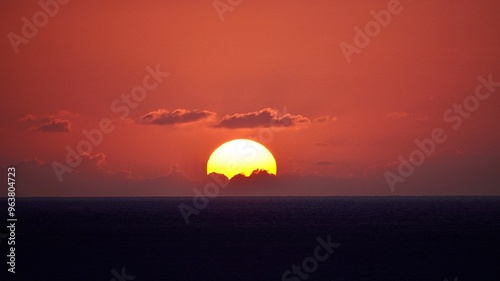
<point x="258" y="239"/>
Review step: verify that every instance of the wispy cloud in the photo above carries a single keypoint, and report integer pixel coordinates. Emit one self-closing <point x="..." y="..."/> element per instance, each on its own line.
<point x="48" y="124"/>
<point x="264" y="118"/>
<point x="178" y="116"/>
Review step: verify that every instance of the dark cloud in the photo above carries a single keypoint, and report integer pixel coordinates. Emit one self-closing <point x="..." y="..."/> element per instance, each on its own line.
<point x="92" y="179"/>
<point x="446" y="172"/>
<point x="264" y="118"/>
<point x="49" y="124"/>
<point x="293" y="184"/>
<point x="256" y="179"/>
<point x="178" y="116"/>
<point x="469" y="174"/>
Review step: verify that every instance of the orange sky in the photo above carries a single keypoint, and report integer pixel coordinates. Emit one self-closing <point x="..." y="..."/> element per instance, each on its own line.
<point x="348" y="121"/>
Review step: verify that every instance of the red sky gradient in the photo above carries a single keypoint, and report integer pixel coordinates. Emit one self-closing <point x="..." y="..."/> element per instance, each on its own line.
<point x="347" y="123"/>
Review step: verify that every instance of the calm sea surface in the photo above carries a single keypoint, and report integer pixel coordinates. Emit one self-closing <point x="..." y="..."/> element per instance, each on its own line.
<point x="381" y="238"/>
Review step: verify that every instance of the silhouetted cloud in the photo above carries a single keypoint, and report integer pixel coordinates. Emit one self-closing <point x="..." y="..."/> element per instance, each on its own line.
<point x="470" y="174"/>
<point x="178" y="116"/>
<point x="92" y="178"/>
<point x="264" y="118"/>
<point x="49" y="124"/>
<point x="447" y="171"/>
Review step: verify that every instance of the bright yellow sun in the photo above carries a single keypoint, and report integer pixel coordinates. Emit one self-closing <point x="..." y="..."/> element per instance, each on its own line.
<point x="241" y="156"/>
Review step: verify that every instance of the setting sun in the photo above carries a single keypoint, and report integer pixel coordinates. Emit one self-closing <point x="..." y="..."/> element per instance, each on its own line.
<point x="241" y="156"/>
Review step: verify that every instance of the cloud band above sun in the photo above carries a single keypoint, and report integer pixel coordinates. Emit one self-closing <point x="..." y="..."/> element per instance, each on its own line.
<point x="178" y="116"/>
<point x="264" y="118"/>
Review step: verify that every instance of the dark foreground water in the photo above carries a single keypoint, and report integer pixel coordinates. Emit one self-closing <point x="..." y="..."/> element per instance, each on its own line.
<point x="382" y="238"/>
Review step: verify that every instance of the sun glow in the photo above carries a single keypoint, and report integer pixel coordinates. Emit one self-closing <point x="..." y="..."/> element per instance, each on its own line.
<point x="241" y="156"/>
